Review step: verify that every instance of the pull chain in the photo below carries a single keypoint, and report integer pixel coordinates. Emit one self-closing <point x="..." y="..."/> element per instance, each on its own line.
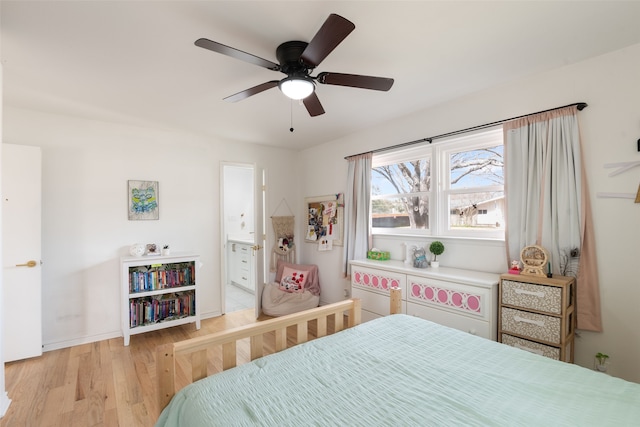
<point x="291" y="105"/>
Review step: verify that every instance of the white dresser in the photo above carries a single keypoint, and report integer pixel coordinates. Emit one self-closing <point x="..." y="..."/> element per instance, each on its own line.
<point x="462" y="299"/>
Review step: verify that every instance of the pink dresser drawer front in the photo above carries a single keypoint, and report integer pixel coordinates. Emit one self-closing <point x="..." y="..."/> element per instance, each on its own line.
<point x="377" y="280"/>
<point x="473" y="301"/>
<point x="530" y="295"/>
<point x="530" y="346"/>
<point x="536" y="326"/>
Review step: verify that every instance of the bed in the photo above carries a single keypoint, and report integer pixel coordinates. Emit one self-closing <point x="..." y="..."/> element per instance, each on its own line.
<point x="392" y="371"/>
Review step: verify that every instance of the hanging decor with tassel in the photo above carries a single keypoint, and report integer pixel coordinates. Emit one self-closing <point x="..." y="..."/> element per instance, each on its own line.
<point x="284" y="247"/>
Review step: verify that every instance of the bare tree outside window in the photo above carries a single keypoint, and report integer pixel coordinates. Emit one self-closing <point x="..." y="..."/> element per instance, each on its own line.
<point x="472" y="173"/>
<point x="404" y="188"/>
<point x="474" y="190"/>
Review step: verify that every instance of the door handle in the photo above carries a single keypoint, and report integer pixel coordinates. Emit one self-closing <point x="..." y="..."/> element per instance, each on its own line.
<point x="256" y="248"/>
<point x="29" y="264"/>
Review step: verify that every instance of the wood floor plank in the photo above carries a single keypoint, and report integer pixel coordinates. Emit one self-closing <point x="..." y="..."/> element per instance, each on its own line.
<point x="105" y="383"/>
<point x="53" y="403"/>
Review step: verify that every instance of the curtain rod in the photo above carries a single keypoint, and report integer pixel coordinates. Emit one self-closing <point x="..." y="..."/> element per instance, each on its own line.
<point x="581" y="106"/>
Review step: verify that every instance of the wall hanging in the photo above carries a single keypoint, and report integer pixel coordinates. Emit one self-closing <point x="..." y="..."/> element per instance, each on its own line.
<point x="284" y="247"/>
<point x="325" y="220"/>
<point x="143" y="200"/>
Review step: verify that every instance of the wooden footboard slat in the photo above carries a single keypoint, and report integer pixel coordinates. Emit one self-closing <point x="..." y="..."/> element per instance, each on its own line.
<point x="197" y="347"/>
<point x="229" y="359"/>
<point x="199" y="365"/>
<point x="281" y="339"/>
<point x="322" y="327"/>
<point x="257" y="348"/>
<point x="355" y="315"/>
<point x="339" y="322"/>
<point x="301" y="333"/>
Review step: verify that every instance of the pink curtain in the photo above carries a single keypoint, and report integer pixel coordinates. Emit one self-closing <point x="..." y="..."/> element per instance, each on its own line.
<point x="547" y="201"/>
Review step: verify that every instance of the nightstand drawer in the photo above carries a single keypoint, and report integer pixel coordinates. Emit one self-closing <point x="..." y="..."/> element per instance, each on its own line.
<point x="535" y="326"/>
<point x="532" y="296"/>
<point x="531" y="346"/>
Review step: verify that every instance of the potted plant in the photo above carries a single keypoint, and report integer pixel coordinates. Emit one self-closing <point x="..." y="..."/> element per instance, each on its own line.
<point x="166" y="250"/>
<point x="436" y="248"/>
<point x="601" y="362"/>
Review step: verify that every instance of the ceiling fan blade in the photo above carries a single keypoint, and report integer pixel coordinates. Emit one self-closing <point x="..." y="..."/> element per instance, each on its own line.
<point x="355" y="80"/>
<point x="333" y="31"/>
<point x="238" y="54"/>
<point x="312" y="103"/>
<point x="251" y="91"/>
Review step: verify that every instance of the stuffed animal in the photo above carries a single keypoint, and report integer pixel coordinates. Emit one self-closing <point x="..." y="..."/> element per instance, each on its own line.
<point x="283" y="244"/>
<point x="515" y="267"/>
<point x="419" y="258"/>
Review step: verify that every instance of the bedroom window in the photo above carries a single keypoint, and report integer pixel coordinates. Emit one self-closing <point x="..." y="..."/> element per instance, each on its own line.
<point x="453" y="187"/>
<point x="401" y="191"/>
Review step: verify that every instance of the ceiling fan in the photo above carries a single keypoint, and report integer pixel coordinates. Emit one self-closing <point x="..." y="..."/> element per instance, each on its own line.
<point x="297" y="60"/>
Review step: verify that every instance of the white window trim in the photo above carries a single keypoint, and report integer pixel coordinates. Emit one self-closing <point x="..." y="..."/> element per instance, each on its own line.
<point x="438" y="154"/>
<point x="443" y="151"/>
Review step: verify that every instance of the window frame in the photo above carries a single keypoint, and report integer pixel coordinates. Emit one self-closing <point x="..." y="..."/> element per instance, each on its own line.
<point x="469" y="142"/>
<point x="438" y="154"/>
<point x="398" y="156"/>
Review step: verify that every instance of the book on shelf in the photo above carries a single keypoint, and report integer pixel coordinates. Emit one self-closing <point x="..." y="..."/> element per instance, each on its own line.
<point x="151" y="278"/>
<point x="159" y="308"/>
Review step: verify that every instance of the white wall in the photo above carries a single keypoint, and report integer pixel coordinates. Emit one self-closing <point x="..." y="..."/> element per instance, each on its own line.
<point x="238" y="205"/>
<point x="610" y="129"/>
<point x="86" y="165"/>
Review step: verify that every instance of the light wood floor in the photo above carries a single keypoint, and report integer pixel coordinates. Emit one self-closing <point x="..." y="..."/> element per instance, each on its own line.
<point x="97" y="384"/>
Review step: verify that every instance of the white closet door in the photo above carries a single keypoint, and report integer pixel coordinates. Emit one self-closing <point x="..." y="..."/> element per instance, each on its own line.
<point x="21" y="240"/>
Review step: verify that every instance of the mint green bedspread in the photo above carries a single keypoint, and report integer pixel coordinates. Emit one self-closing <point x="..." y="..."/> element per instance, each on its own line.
<point x="403" y="371"/>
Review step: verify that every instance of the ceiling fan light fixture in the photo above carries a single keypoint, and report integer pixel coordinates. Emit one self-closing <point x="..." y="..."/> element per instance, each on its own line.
<point x="296" y="87"/>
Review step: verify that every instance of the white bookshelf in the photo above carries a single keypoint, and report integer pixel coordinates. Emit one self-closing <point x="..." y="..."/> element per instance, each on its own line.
<point x="159" y="291"/>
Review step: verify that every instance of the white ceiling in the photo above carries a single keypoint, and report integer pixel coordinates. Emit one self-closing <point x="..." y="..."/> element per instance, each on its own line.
<point x="136" y="62"/>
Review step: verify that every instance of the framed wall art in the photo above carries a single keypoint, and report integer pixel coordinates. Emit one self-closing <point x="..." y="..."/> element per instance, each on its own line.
<point x="143" y="200"/>
<point x="325" y="219"/>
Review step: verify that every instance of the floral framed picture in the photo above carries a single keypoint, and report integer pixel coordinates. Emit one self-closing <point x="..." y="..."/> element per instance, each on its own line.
<point x="143" y="200"/>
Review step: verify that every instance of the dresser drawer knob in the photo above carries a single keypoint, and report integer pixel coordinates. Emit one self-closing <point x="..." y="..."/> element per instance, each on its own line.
<point x="535" y="294"/>
<point x="533" y="322"/>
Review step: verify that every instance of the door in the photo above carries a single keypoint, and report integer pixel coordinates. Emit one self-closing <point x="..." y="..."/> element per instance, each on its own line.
<point x="21" y="240"/>
<point x="241" y="224"/>
<point x="259" y="253"/>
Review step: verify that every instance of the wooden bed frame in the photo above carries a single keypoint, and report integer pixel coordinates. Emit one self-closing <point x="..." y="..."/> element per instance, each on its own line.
<point x="197" y="347"/>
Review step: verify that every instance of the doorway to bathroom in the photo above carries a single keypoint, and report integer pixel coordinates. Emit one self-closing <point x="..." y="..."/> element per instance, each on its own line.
<point x="242" y="236"/>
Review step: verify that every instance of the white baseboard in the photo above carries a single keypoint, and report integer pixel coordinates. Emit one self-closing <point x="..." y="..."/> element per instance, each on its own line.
<point x="210" y="314"/>
<point x="80" y="341"/>
<point x="106" y="336"/>
<point x="4" y="404"/>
